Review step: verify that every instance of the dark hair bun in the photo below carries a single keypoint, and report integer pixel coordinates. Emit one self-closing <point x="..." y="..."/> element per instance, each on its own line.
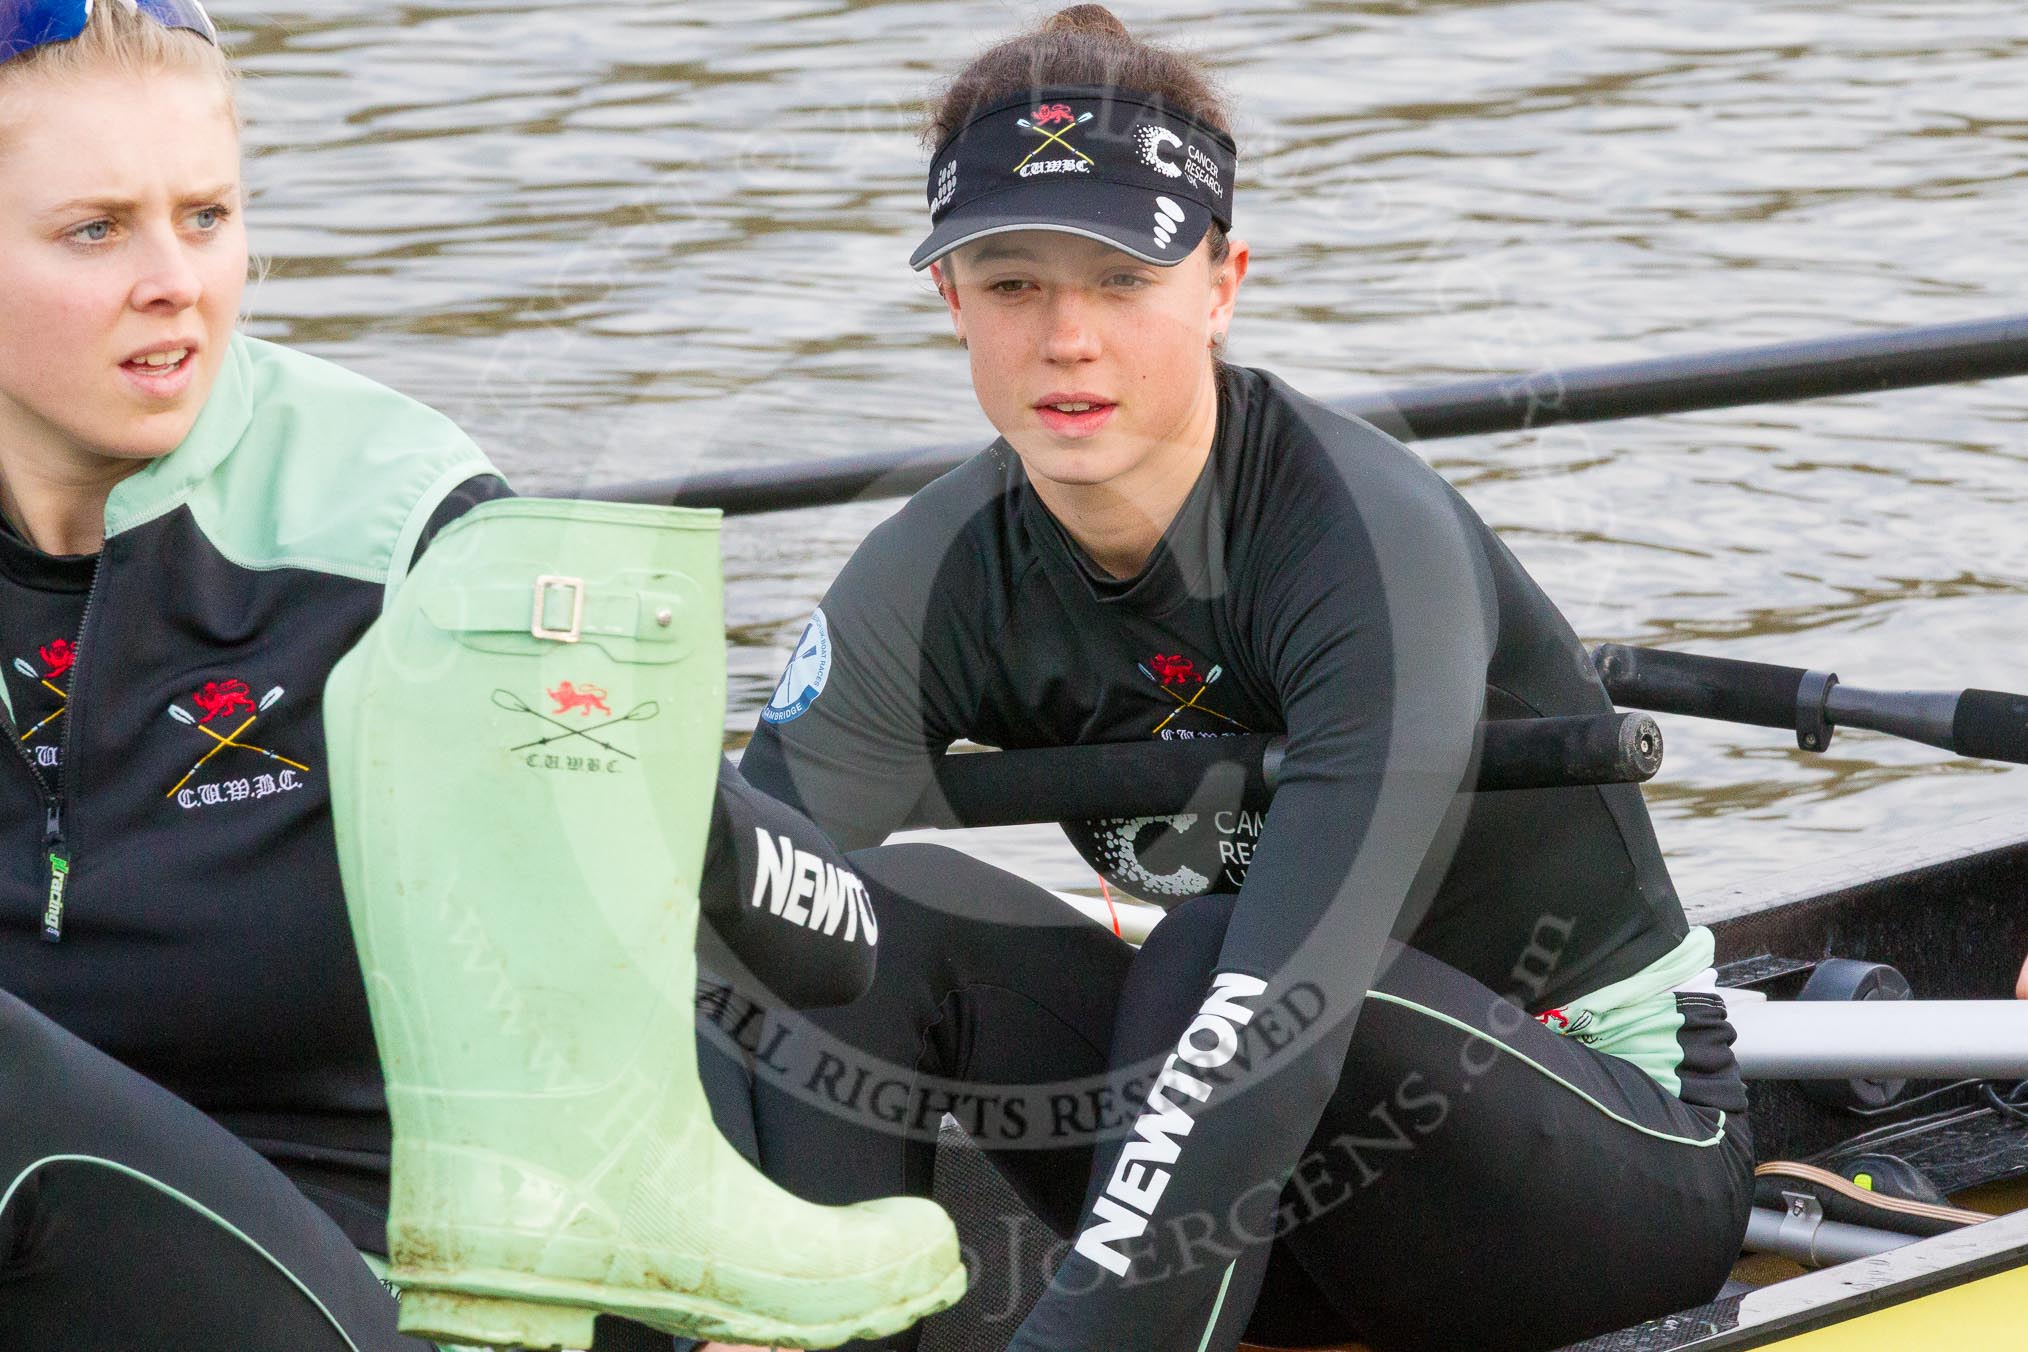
<point x="1088" y="20"/>
<point x="1077" y="45"/>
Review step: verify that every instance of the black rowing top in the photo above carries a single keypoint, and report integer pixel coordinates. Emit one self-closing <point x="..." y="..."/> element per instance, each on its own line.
<point x="1321" y="582"/>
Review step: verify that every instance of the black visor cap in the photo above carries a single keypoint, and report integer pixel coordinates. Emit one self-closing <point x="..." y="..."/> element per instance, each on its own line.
<point x="1119" y="167"/>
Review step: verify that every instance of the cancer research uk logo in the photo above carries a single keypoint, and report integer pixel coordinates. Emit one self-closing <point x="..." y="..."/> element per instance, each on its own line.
<point x="1159" y="148"/>
<point x="809" y="668"/>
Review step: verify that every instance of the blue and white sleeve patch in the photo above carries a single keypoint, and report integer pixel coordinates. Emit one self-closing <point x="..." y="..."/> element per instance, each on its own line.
<point x="809" y="668"/>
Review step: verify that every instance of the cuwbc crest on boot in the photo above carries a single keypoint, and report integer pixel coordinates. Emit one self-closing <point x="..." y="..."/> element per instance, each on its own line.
<point x="524" y="753"/>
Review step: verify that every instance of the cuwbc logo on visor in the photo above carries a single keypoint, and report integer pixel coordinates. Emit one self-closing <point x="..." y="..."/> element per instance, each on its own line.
<point x="1047" y="118"/>
<point x="809" y="668"/>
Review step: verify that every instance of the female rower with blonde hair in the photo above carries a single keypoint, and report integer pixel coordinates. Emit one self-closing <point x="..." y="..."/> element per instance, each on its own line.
<point x="195" y="527"/>
<point x="1533" y="1130"/>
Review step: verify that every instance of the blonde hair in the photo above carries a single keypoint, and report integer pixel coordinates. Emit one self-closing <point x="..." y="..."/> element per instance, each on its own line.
<point x="120" y="40"/>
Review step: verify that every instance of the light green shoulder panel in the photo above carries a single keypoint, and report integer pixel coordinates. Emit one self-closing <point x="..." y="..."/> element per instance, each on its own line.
<point x="297" y="463"/>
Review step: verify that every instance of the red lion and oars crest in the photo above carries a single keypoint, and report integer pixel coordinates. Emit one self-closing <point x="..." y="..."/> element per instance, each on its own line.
<point x="1173" y="668"/>
<point x="588" y="700"/>
<point x="227" y="699"/>
<point x="1052" y="112"/>
<point x="58" y="655"/>
<point x="219" y="699"/>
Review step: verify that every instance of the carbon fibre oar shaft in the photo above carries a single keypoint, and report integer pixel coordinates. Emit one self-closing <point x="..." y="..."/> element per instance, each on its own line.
<point x="1940" y="354"/>
<point x="1156" y="778"/>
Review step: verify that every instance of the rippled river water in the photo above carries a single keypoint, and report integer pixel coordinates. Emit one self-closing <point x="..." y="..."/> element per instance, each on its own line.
<point x="618" y="241"/>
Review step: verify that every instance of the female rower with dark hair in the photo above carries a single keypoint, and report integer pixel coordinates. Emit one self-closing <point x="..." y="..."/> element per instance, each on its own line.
<point x="1534" y="1129"/>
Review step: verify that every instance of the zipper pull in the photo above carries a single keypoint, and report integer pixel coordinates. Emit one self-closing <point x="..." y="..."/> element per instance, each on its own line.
<point x="59" y="872"/>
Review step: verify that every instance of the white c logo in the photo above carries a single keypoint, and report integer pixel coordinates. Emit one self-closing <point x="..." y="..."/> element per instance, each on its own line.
<point x="1151" y="140"/>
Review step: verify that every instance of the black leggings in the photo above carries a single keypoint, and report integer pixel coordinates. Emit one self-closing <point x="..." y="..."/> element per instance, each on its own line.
<point x="1550" y="1198"/>
<point x="1475" y="1179"/>
<point x="128" y="1218"/>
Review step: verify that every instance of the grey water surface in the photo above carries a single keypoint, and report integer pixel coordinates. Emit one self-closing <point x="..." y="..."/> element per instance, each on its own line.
<point x="623" y="240"/>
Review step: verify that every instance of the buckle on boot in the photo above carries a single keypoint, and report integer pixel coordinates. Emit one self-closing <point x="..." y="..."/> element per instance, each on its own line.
<point x="575" y="587"/>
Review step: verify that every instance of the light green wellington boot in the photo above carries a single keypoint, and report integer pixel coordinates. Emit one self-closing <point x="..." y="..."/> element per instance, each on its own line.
<point x="523" y="753"/>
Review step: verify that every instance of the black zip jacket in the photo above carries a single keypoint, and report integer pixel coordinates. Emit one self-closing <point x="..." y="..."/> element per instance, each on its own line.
<point x="169" y="886"/>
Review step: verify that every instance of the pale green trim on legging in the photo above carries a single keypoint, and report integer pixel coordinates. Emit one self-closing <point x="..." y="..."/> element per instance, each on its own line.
<point x="1216" y="1306"/>
<point x="195" y="1205"/>
<point x="1525" y="1059"/>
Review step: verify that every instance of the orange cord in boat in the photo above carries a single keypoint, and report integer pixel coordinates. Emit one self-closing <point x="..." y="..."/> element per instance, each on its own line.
<point x="1111" y="910"/>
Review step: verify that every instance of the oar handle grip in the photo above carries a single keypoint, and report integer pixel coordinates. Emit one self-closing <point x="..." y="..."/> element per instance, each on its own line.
<point x="1569" y="752"/>
<point x="1991" y="724"/>
<point x="1155" y="778"/>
